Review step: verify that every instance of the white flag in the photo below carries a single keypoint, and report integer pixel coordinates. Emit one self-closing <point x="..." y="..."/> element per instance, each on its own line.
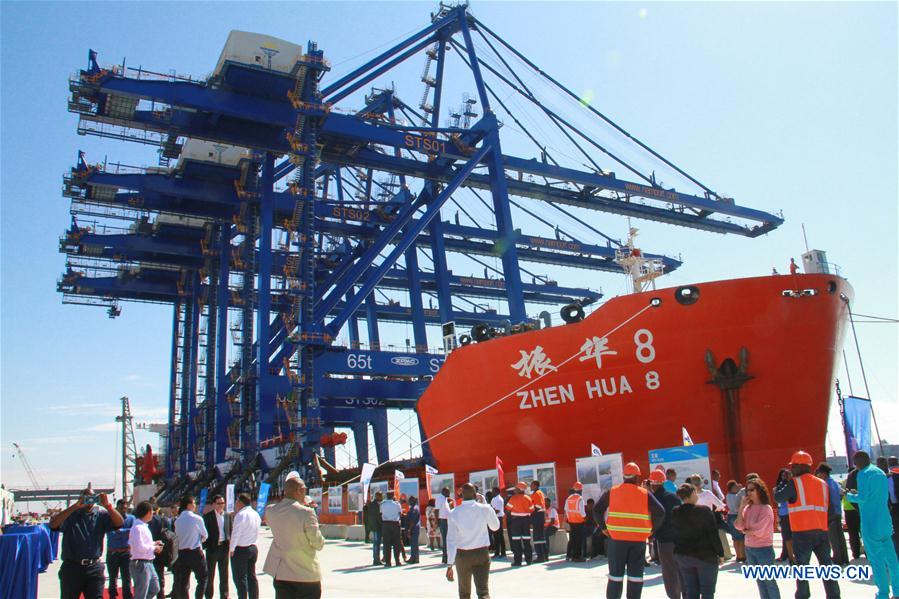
<point x="368" y="471"/>
<point x="687" y="440"/>
<point x="229" y="498"/>
<point x="594" y="450"/>
<point x="399" y="475"/>
<point x="430" y="469"/>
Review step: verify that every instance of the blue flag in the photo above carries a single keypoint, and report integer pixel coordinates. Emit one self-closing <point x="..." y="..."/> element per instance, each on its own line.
<point x="204" y="493"/>
<point x="857" y="424"/>
<point x="262" y="499"/>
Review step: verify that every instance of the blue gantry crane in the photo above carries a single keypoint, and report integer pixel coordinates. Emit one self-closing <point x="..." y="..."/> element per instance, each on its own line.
<point x="302" y="206"/>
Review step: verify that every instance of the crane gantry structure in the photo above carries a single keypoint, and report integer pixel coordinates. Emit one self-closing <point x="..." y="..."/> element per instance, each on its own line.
<point x="303" y="205"/>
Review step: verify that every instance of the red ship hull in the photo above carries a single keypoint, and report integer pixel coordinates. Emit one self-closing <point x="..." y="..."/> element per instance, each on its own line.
<point x="783" y="334"/>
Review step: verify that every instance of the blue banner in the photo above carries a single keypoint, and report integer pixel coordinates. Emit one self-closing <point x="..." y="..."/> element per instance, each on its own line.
<point x="857" y="424"/>
<point x="263" y="498"/>
<point x="204" y="493"/>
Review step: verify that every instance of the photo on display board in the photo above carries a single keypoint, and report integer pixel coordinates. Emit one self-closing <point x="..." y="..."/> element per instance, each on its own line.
<point x="598" y="474"/>
<point x="441" y="481"/>
<point x="335" y="500"/>
<point x="315" y="495"/>
<point x="354" y="497"/>
<point x="545" y="474"/>
<point x="687" y="460"/>
<point x="484" y="480"/>
<point x="409" y="488"/>
<point x="380" y="486"/>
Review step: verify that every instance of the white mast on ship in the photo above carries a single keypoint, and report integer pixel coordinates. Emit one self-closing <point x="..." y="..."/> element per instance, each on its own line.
<point x="641" y="271"/>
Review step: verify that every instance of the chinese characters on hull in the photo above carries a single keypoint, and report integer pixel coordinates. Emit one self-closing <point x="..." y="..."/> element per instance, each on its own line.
<point x="533" y="362"/>
<point x="596" y="348"/>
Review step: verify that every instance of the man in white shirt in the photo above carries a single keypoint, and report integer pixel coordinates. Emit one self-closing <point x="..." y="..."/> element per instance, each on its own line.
<point x="143" y="552"/>
<point x="709" y="500"/>
<point x="191" y="532"/>
<point x="468" y="543"/>
<point x="391" y="538"/>
<point x="716" y="487"/>
<point x="499" y="506"/>
<point x="706" y="497"/>
<point x="443" y="510"/>
<point x="244" y="532"/>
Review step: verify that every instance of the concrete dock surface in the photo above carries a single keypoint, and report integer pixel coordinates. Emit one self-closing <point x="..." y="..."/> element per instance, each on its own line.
<point x="347" y="572"/>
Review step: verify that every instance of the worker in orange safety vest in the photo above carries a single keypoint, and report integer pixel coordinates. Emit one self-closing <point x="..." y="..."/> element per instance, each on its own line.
<point x="628" y="514"/>
<point x="576" y="514"/>
<point x="521" y="510"/>
<point x="808" y="501"/>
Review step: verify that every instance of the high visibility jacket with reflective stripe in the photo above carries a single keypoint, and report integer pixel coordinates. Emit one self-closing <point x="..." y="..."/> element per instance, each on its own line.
<point x="538" y="499"/>
<point x="809" y="512"/>
<point x="628" y="516"/>
<point x="552" y="518"/>
<point x="574" y="505"/>
<point x="520" y="505"/>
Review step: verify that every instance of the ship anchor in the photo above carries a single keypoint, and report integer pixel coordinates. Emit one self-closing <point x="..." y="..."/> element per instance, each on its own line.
<point x="729" y="377"/>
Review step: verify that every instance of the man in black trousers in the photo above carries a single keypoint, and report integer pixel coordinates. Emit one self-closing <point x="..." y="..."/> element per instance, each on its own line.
<point x="160" y="526"/>
<point x="218" y="525"/>
<point x="83" y="526"/>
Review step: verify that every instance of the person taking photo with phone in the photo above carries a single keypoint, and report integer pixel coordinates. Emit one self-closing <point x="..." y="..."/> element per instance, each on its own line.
<point x="83" y="526"/>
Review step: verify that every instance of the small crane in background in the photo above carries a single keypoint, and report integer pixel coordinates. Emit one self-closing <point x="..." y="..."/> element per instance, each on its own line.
<point x="129" y="449"/>
<point x="31" y="475"/>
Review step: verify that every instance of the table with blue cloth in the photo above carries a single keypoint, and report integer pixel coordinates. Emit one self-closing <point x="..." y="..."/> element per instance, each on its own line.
<point x="25" y="552"/>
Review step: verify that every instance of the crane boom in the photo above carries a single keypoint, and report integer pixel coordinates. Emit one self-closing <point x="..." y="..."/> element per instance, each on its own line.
<point x="29" y="471"/>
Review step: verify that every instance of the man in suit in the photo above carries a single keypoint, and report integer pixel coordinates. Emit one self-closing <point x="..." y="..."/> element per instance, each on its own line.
<point x="292" y="559"/>
<point x="218" y="525"/>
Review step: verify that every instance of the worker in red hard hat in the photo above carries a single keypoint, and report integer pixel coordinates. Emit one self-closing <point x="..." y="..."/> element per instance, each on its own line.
<point x="808" y="503"/>
<point x="576" y="514"/>
<point x="520" y="509"/>
<point x="664" y="536"/>
<point x="634" y="514"/>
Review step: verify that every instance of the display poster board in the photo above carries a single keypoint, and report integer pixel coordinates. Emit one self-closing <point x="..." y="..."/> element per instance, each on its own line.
<point x="439" y="481"/>
<point x="545" y="474"/>
<point x="354" y="497"/>
<point x="381" y="486"/>
<point x="335" y="500"/>
<point x="315" y="495"/>
<point x="598" y="474"/>
<point x="409" y="488"/>
<point x="484" y="480"/>
<point x="686" y="460"/>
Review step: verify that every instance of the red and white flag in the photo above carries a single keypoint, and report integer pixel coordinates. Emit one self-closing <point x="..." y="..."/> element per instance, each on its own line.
<point x="429" y="472"/>
<point x="397" y="477"/>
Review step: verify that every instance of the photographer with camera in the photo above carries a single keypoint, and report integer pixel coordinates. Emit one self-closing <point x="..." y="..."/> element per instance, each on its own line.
<point x="83" y="525"/>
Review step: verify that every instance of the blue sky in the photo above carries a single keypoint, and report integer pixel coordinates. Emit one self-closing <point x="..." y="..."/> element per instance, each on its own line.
<point x="784" y="106"/>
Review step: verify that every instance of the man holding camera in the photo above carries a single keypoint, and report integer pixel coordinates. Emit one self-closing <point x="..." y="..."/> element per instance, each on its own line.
<point x="83" y="526"/>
